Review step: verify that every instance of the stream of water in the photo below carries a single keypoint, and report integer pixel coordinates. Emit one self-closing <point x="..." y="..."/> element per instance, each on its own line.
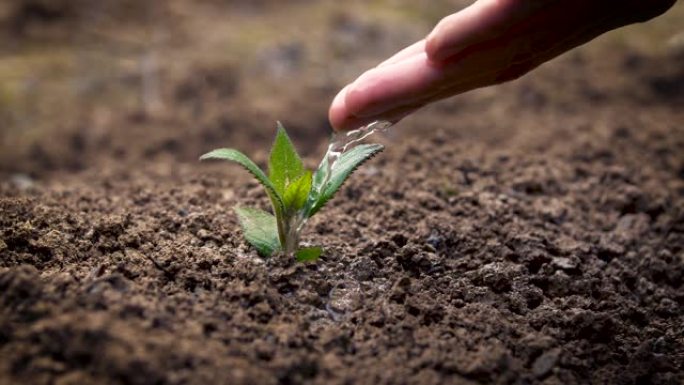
<point x="340" y="143"/>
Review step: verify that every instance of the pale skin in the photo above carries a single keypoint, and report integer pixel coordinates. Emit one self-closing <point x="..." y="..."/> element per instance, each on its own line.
<point x="490" y="42"/>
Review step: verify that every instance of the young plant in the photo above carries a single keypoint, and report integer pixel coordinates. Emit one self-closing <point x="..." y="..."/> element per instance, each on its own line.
<point x="296" y="194"/>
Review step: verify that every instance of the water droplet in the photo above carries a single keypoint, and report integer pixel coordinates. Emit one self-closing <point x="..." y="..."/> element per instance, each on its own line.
<point x="345" y="297"/>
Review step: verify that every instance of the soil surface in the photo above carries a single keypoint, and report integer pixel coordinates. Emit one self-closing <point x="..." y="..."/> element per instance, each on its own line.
<point x="527" y="234"/>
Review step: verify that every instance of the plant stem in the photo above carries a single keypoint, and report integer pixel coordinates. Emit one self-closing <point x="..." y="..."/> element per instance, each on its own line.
<point x="282" y="226"/>
<point x="288" y="232"/>
<point x="282" y="234"/>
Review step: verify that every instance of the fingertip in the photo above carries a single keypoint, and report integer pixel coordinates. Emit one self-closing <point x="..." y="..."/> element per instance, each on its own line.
<point x="340" y="116"/>
<point x="338" y="110"/>
<point x="342" y="121"/>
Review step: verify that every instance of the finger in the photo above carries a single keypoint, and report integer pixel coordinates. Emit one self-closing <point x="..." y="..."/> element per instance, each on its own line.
<point x="389" y="87"/>
<point x="412" y="50"/>
<point x="339" y="117"/>
<point x="342" y="120"/>
<point x="483" y="20"/>
<point x="417" y="81"/>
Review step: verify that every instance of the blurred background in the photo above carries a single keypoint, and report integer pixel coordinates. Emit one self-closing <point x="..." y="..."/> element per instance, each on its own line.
<point x="89" y="84"/>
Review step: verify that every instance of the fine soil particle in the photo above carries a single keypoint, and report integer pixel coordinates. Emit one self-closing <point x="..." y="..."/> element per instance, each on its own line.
<point x="520" y="235"/>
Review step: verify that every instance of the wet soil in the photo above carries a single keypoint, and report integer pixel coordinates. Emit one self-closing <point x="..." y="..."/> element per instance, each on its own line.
<point x="518" y="235"/>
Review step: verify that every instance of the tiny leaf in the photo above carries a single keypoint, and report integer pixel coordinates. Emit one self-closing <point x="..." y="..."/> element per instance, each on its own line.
<point x="284" y="165"/>
<point x="242" y="159"/>
<point x="260" y="229"/>
<point x="307" y="254"/>
<point x="344" y="167"/>
<point x="297" y="193"/>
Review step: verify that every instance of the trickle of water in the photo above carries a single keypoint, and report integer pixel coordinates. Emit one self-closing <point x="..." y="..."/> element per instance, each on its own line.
<point x="340" y="143"/>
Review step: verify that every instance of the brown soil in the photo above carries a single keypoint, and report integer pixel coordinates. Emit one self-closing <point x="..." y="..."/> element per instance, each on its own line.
<point x="517" y="235"/>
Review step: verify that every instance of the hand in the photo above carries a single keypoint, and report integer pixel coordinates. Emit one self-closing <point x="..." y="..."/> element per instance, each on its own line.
<point x="490" y="42"/>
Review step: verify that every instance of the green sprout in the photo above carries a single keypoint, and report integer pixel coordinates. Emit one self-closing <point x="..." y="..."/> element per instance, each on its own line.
<point x="296" y="194"/>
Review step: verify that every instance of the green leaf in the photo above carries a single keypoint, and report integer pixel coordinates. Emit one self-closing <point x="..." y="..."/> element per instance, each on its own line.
<point x="297" y="193"/>
<point x="242" y="159"/>
<point x="260" y="229"/>
<point x="319" y="177"/>
<point x="307" y="254"/>
<point x="284" y="165"/>
<point x="344" y="167"/>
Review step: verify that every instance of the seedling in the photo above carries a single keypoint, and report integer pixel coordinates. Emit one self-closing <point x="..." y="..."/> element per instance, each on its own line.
<point x="296" y="194"/>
